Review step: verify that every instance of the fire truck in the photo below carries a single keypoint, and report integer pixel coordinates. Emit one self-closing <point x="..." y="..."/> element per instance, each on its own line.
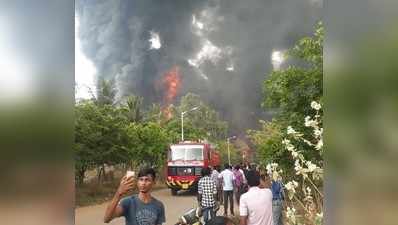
<point x="185" y="162"/>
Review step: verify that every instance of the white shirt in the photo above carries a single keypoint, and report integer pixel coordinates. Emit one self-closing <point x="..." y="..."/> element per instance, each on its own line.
<point x="214" y="176"/>
<point x="256" y="204"/>
<point x="227" y="176"/>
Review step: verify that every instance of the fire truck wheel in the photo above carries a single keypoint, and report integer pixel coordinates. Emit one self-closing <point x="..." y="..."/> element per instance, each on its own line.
<point x="173" y="192"/>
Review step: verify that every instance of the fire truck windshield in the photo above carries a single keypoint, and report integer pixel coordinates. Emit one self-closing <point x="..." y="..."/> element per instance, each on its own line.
<point x="186" y="152"/>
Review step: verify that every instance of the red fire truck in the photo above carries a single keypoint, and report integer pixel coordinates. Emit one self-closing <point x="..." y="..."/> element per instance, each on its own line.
<point x="185" y="162"/>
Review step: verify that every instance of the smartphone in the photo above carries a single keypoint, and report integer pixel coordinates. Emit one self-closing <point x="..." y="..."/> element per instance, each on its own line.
<point x="130" y="173"/>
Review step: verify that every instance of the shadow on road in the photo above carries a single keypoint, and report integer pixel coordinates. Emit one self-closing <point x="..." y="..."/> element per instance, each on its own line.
<point x="186" y="193"/>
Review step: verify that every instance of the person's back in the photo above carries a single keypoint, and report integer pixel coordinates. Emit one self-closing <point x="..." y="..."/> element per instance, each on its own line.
<point x="214" y="177"/>
<point x="227" y="179"/>
<point x="228" y="189"/>
<point x="238" y="178"/>
<point x="207" y="194"/>
<point x="256" y="205"/>
<point x="277" y="201"/>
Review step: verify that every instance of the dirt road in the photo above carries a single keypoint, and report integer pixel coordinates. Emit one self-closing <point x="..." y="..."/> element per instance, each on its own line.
<point x="175" y="206"/>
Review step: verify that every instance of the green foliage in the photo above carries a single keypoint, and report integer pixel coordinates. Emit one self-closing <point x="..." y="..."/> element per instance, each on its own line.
<point x="133" y="106"/>
<point x="235" y="155"/>
<point x="104" y="134"/>
<point x="292" y="89"/>
<point x="107" y="133"/>
<point x="148" y="144"/>
<point x="106" y="92"/>
<point x="204" y="122"/>
<point x="289" y="92"/>
<point x="268" y="142"/>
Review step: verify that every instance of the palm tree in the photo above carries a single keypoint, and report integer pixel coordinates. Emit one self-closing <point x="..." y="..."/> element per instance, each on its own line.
<point x="106" y="92"/>
<point x="133" y="104"/>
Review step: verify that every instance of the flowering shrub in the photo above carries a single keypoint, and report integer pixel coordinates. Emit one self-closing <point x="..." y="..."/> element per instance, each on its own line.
<point x="304" y="191"/>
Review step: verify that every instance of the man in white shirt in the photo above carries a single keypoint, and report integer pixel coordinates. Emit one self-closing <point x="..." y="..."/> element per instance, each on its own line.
<point x="228" y="188"/>
<point x="256" y="204"/>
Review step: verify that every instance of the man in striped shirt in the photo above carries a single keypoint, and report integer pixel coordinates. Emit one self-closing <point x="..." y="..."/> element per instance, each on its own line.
<point x="207" y="194"/>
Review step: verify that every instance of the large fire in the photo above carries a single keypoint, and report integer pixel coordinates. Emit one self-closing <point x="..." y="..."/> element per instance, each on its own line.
<point x="171" y="83"/>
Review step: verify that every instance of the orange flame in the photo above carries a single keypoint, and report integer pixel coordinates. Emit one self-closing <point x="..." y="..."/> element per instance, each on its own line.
<point x="172" y="84"/>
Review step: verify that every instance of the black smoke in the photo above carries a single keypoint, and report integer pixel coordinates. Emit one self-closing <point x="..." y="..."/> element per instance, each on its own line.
<point x="115" y="34"/>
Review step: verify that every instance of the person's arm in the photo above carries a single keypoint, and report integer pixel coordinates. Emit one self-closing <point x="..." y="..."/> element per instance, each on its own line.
<point x="199" y="197"/>
<point x="114" y="209"/>
<point x="162" y="217"/>
<point x="243" y="210"/>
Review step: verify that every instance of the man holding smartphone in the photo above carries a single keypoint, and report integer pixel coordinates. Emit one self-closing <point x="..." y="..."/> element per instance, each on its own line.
<point x="139" y="209"/>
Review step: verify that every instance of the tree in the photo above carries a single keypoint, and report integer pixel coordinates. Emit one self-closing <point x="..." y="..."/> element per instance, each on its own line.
<point x="100" y="136"/>
<point x="289" y="91"/>
<point x="106" y="92"/>
<point x="235" y="155"/>
<point x="148" y="144"/>
<point x="305" y="188"/>
<point x="133" y="106"/>
<point x="203" y="122"/>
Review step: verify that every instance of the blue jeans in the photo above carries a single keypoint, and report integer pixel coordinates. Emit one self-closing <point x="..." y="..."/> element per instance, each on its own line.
<point x="277" y="207"/>
<point x="208" y="214"/>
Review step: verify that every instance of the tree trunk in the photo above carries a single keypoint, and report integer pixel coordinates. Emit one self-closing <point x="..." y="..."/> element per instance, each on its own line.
<point x="100" y="172"/>
<point x="80" y="176"/>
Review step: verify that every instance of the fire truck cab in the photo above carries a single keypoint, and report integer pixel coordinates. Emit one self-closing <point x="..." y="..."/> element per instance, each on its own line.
<point x="185" y="162"/>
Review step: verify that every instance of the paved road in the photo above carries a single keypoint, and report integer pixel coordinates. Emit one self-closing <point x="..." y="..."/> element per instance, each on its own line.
<point x="175" y="206"/>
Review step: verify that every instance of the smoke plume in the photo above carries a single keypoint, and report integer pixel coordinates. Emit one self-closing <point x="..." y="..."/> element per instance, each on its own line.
<point x="221" y="47"/>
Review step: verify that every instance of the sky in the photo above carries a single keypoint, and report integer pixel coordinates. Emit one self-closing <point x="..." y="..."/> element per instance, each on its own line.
<point x="84" y="70"/>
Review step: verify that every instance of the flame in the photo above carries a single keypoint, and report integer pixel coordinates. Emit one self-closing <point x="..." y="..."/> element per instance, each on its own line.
<point x="171" y="83"/>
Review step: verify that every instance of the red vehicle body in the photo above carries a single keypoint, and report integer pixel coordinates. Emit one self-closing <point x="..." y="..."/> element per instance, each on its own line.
<point x="185" y="162"/>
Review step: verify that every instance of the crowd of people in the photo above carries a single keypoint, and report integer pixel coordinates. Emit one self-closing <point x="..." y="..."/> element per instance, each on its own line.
<point x="259" y="198"/>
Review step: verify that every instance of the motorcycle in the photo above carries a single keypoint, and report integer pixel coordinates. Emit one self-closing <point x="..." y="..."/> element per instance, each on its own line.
<point x="193" y="216"/>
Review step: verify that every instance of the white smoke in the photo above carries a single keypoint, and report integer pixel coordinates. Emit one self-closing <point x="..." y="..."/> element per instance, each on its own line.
<point x="203" y="25"/>
<point x="277" y="59"/>
<point x="155" y="40"/>
<point x="230" y="67"/>
<point x="84" y="70"/>
<point x="199" y="25"/>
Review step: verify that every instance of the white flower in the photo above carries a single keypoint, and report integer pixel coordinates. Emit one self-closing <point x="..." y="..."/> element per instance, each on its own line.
<point x="307" y="142"/>
<point x="290" y="186"/>
<point x="308" y="190"/>
<point x="290" y="148"/>
<point x="318" y="132"/>
<point x="285" y="141"/>
<point x="315" y="105"/>
<point x="290" y="214"/>
<point x="319" y="145"/>
<point x="268" y="168"/>
<point x="309" y="122"/>
<point x="290" y="130"/>
<point x="311" y="166"/>
<point x="294" y="154"/>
